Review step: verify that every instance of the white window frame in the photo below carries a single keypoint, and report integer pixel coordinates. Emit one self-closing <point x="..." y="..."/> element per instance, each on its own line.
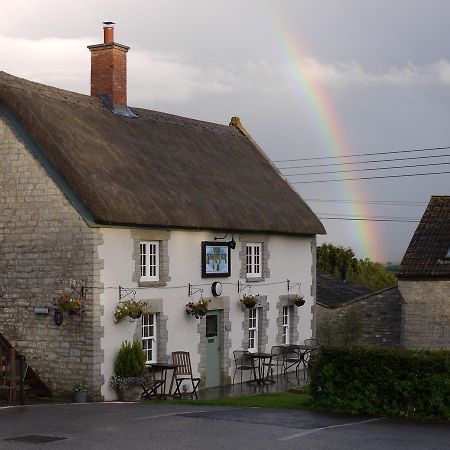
<point x="253" y="329"/>
<point x="148" y="337"/>
<point x="286" y="316"/>
<point x="254" y="260"/>
<point x="149" y="260"/>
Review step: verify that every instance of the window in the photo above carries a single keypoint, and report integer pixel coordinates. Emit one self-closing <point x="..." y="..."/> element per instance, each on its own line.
<point x="149" y="337"/>
<point x="253" y="330"/>
<point x="285" y="324"/>
<point x="149" y="260"/>
<point x="254" y="260"/>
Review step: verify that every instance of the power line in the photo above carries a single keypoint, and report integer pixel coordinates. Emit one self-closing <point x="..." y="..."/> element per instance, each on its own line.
<point x="363" y="154"/>
<point x="369" y="202"/>
<point x="370" y="178"/>
<point x="409" y="158"/>
<point x="365" y="169"/>
<point x="366" y="219"/>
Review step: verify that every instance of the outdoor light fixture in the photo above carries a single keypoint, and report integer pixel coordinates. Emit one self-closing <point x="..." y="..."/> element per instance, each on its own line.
<point x="231" y="243"/>
<point x="58" y="317"/>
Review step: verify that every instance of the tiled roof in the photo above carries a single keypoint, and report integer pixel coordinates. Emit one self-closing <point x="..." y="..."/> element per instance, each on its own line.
<point x="427" y="254"/>
<point x="334" y="292"/>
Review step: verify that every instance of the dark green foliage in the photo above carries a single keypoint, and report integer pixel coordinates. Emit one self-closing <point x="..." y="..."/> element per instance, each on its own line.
<point x="130" y="361"/>
<point x="390" y="382"/>
<point x="342" y="262"/>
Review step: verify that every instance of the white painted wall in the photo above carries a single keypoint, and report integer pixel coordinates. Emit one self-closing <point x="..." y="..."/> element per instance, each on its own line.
<point x="290" y="258"/>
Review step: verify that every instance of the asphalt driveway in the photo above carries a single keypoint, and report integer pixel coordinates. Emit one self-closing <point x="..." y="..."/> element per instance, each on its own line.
<point x="166" y="426"/>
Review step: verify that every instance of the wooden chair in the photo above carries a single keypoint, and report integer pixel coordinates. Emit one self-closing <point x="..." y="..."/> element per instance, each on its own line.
<point x="242" y="362"/>
<point x="183" y="373"/>
<point x="150" y="386"/>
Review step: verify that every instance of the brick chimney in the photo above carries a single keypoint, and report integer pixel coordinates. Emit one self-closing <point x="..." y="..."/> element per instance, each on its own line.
<point x="109" y="67"/>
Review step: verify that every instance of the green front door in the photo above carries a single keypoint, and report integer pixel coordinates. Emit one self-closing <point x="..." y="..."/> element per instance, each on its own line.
<point x="212" y="349"/>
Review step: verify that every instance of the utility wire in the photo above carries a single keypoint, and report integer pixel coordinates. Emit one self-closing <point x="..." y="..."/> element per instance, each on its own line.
<point x="369" y="202"/>
<point x="365" y="169"/>
<point x="364" y="162"/>
<point x="365" y="219"/>
<point x="370" y="178"/>
<point x="430" y="149"/>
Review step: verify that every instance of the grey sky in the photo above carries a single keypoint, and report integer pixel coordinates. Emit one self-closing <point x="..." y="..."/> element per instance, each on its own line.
<point x="383" y="65"/>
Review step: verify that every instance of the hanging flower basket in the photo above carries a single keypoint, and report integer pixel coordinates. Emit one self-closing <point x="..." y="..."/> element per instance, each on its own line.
<point x="299" y="300"/>
<point x="249" y="301"/>
<point x="70" y="305"/>
<point x="197" y="309"/>
<point x="128" y="308"/>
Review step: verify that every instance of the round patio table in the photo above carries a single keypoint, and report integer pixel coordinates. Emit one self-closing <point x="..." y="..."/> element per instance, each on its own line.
<point x="263" y="360"/>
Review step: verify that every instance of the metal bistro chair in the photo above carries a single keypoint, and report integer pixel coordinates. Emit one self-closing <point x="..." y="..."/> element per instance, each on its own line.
<point x="184" y="373"/>
<point x="242" y="362"/>
<point x="292" y="358"/>
<point x="278" y="360"/>
<point x="310" y="355"/>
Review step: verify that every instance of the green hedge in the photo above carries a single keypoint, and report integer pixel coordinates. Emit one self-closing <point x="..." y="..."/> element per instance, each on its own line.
<point x="391" y="382"/>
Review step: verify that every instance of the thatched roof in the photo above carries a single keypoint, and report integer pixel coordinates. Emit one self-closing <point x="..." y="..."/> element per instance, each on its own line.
<point x="428" y="253"/>
<point x="156" y="169"/>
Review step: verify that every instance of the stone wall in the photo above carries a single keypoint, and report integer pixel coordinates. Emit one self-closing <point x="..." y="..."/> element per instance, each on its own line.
<point x="378" y="316"/>
<point x="45" y="248"/>
<point x="426" y="313"/>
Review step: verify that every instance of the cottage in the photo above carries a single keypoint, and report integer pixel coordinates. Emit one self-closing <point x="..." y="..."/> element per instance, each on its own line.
<point x="424" y="280"/>
<point x="104" y="202"/>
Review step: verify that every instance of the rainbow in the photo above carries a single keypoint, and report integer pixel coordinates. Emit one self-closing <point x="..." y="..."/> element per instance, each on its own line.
<point x="331" y="131"/>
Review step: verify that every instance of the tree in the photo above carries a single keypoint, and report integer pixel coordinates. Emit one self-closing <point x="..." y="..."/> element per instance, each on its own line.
<point x="336" y="260"/>
<point x="342" y="262"/>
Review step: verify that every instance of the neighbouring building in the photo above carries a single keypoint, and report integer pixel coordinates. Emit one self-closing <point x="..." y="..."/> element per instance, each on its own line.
<point x="105" y="202"/>
<point x="424" y="280"/>
<point x="348" y="313"/>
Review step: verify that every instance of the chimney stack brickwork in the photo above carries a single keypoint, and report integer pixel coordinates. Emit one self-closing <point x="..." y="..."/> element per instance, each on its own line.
<point x="109" y="70"/>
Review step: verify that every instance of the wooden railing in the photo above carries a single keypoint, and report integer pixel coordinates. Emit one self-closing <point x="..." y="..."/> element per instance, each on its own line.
<point x="14" y="372"/>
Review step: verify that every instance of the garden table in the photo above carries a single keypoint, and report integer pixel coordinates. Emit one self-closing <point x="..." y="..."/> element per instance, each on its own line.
<point x="259" y="361"/>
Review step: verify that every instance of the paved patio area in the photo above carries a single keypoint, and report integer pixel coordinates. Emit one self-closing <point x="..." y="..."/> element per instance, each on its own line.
<point x="282" y="384"/>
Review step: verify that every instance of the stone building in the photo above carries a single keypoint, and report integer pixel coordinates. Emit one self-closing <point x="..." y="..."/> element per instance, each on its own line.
<point x="424" y="280"/>
<point x="103" y="202"/>
<point x="348" y="313"/>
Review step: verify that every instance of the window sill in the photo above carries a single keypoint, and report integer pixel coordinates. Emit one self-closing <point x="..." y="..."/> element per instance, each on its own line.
<point x="254" y="279"/>
<point x="152" y="283"/>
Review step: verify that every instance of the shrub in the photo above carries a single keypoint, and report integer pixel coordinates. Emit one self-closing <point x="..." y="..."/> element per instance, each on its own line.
<point x="391" y="382"/>
<point x="130" y="360"/>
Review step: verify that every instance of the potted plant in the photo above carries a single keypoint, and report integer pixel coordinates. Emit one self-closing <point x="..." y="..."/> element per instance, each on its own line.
<point x="128" y="308"/>
<point x="129" y="369"/>
<point x="249" y="300"/>
<point x="197" y="309"/>
<point x="70" y="305"/>
<point x="80" y="392"/>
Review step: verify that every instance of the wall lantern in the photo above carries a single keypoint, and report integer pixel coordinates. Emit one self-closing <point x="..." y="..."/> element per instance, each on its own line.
<point x="58" y="317"/>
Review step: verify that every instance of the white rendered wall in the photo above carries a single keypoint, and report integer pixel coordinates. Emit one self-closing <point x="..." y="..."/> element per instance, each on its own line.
<point x="290" y="258"/>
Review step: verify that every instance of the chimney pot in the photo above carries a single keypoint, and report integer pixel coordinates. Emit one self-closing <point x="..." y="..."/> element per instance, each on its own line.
<point x="108" y="32"/>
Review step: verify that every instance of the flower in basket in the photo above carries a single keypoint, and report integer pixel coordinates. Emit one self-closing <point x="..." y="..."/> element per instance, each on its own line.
<point x="70" y="305"/>
<point x="249" y="300"/>
<point x="128" y="308"/>
<point x="197" y="309"/>
<point x="299" y="300"/>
